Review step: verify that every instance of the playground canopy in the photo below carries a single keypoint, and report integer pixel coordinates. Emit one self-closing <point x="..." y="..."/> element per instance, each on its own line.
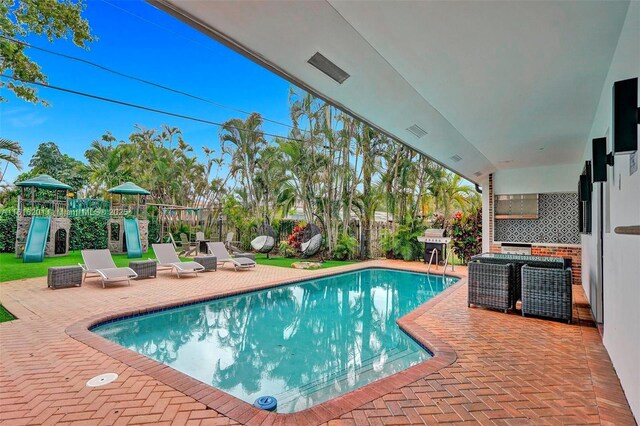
<point x="45" y="182"/>
<point x="128" y="188"/>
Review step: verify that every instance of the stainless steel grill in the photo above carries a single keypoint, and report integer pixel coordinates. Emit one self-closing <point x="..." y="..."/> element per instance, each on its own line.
<point x="435" y="246"/>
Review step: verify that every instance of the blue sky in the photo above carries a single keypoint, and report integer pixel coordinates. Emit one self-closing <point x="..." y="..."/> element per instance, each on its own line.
<point x="138" y="39"/>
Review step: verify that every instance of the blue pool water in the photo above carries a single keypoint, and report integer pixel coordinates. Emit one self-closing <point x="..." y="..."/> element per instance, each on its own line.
<point x="303" y="343"/>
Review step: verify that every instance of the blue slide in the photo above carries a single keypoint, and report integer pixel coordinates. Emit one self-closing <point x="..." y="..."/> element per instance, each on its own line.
<point x="36" y="240"/>
<point x="132" y="234"/>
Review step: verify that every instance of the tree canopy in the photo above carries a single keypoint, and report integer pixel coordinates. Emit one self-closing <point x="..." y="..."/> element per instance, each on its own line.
<point x="52" y="19"/>
<point x="331" y="167"/>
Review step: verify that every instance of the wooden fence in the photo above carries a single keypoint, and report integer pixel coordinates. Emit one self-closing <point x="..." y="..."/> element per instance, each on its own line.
<point x="220" y="229"/>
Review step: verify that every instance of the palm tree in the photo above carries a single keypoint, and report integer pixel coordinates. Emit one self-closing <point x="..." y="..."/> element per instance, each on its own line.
<point x="10" y="151"/>
<point x="242" y="140"/>
<point x="455" y="193"/>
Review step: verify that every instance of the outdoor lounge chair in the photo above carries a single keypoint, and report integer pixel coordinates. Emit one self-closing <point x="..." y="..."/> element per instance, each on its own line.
<point x="230" y="244"/>
<point x="220" y="252"/>
<point x="100" y="263"/>
<point x="186" y="247"/>
<point x="168" y="258"/>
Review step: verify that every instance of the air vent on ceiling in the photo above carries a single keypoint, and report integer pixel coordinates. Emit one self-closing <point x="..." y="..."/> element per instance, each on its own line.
<point x="417" y="131"/>
<point x="328" y="67"/>
<point x="478" y="174"/>
<point x="456" y="158"/>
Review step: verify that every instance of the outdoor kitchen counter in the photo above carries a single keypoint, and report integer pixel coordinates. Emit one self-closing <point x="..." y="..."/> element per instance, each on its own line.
<point x="540" y="244"/>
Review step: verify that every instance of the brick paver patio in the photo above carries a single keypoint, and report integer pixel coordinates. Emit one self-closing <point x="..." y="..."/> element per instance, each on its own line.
<point x="503" y="369"/>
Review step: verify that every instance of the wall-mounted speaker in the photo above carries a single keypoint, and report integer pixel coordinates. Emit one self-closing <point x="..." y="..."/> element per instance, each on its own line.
<point x="599" y="159"/>
<point x="625" y="116"/>
<point x="584" y="193"/>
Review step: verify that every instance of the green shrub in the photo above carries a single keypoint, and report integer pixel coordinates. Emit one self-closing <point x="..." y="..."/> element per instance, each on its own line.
<point x="286" y="250"/>
<point x="88" y="233"/>
<point x="154" y="230"/>
<point x="345" y="247"/>
<point x="403" y="244"/>
<point x="8" y="228"/>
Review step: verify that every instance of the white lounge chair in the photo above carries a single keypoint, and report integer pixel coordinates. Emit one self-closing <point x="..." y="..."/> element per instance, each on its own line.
<point x="168" y="258"/>
<point x="220" y="252"/>
<point x="100" y="263"/>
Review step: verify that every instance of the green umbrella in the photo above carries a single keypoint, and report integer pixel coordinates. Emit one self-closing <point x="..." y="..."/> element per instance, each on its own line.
<point x="129" y="188"/>
<point x="43" y="181"/>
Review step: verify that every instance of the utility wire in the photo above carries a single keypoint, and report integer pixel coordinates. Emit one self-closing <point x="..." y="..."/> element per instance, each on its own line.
<point x="141" y="80"/>
<point x="142" y="107"/>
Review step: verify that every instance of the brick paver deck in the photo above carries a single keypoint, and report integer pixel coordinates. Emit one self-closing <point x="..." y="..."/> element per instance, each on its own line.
<point x="494" y="368"/>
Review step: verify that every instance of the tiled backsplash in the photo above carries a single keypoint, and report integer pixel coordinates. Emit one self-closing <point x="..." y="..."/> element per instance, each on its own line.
<point x="557" y="222"/>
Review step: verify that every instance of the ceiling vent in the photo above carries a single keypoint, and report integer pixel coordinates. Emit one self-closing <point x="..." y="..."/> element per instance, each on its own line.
<point x="456" y="158"/>
<point x="417" y="131"/>
<point x="478" y="174"/>
<point x="328" y="67"/>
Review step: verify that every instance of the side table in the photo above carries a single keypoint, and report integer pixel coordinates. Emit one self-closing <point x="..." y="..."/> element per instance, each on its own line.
<point x="64" y="276"/>
<point x="144" y="268"/>
<point x="210" y="263"/>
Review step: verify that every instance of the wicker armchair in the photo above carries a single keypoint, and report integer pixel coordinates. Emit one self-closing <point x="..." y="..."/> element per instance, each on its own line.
<point x="547" y="292"/>
<point x="491" y="285"/>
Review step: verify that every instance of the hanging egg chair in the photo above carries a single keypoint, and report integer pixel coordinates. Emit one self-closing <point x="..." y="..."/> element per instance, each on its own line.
<point x="311" y="240"/>
<point x="266" y="239"/>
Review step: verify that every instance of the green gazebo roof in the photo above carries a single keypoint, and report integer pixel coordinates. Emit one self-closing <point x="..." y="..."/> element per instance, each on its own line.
<point x="129" y="188"/>
<point x="43" y="181"/>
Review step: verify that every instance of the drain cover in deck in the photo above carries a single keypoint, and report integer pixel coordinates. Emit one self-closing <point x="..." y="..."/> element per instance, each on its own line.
<point x="102" y="379"/>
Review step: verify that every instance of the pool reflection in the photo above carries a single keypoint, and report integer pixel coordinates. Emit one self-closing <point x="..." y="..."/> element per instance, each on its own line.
<point x="304" y="343"/>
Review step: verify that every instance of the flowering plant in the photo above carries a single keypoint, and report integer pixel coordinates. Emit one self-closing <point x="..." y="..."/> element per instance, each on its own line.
<point x="295" y="239"/>
<point x="466" y="234"/>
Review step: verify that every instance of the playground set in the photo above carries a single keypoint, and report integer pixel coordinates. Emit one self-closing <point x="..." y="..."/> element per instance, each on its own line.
<point x="43" y="223"/>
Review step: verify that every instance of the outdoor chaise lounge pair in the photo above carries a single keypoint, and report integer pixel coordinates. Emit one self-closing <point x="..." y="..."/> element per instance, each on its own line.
<point x="100" y="263"/>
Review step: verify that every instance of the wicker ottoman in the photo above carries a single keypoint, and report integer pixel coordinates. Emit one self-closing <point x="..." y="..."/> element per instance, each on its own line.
<point x="64" y="276"/>
<point x="491" y="285"/>
<point x="547" y="292"/>
<point x="210" y="263"/>
<point x="144" y="268"/>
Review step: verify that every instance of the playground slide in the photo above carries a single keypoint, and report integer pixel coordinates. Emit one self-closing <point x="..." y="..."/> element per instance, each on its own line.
<point x="36" y="240"/>
<point x="132" y="234"/>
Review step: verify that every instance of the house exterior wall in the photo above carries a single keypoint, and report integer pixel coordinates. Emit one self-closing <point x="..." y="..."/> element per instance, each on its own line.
<point x="621" y="253"/>
<point x="620" y="197"/>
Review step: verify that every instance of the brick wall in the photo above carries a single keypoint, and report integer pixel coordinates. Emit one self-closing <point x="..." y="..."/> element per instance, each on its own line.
<point x="575" y="253"/>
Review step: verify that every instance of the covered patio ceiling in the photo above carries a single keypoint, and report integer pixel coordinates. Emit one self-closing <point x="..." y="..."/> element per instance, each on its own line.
<point x="495" y="85"/>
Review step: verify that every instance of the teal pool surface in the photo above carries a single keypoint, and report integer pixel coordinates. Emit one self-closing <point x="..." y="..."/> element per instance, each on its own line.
<point x="303" y="343"/>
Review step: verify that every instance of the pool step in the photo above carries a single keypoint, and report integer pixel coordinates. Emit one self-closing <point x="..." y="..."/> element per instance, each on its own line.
<point x="394" y="355"/>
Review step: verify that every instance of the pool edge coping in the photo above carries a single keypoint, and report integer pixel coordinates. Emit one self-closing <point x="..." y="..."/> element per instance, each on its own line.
<point x="245" y="413"/>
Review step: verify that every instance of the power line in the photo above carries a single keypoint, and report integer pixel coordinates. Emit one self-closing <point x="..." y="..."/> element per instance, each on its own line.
<point x="142" y="107"/>
<point x="142" y="80"/>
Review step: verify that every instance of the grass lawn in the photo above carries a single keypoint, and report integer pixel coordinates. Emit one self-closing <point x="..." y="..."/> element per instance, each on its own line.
<point x="12" y="268"/>
<point x="285" y="262"/>
<point x="5" y="315"/>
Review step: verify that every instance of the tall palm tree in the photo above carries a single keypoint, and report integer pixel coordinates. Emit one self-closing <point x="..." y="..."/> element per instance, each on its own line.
<point x="242" y="140"/>
<point x="10" y="151"/>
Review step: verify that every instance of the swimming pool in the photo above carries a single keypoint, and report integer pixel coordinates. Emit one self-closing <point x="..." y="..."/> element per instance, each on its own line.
<point x="304" y="343"/>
